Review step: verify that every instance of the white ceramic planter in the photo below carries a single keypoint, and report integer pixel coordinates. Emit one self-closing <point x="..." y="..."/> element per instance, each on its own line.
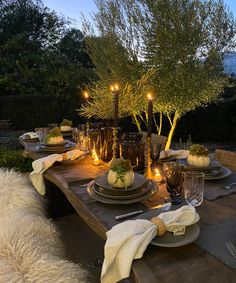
<point x="65" y="128"/>
<point x="198" y="161"/>
<point x="124" y="182"/>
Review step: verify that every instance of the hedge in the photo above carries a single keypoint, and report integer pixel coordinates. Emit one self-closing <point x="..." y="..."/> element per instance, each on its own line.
<point x="215" y="123"/>
<point x="27" y="112"/>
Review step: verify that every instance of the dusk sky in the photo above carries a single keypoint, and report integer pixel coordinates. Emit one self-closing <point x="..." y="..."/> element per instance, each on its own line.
<point x="74" y="8"/>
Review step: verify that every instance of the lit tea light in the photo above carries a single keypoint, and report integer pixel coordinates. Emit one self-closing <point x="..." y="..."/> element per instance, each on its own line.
<point x="157" y="175"/>
<point x="94" y="154"/>
<point x="96" y="160"/>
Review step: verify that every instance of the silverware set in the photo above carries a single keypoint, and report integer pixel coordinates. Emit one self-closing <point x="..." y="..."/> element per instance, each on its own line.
<point x="163" y="207"/>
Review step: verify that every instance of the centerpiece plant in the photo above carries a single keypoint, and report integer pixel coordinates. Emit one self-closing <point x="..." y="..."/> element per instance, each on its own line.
<point x="54" y="136"/>
<point x="198" y="156"/>
<point x="66" y="125"/>
<point x="121" y="174"/>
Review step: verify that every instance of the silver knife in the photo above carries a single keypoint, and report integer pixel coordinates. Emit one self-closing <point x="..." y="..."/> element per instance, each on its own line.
<point x="164" y="207"/>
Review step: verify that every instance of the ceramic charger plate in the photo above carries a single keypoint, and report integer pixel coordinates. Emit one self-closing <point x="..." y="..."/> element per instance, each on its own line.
<point x="102" y="181"/>
<point x="137" y="193"/>
<point x="225" y="172"/>
<point x="168" y="239"/>
<point x="153" y="189"/>
<point x="214" y="165"/>
<point x="55" y="149"/>
<point x="54" y="144"/>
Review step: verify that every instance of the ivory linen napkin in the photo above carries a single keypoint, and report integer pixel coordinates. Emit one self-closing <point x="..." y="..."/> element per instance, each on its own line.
<point x="29" y="135"/>
<point x="178" y="154"/>
<point x="128" y="240"/>
<point x="42" y="164"/>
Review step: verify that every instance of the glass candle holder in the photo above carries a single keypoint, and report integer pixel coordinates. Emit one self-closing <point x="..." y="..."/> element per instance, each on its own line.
<point x="80" y="138"/>
<point x="132" y="148"/>
<point x="94" y="136"/>
<point x="106" y="143"/>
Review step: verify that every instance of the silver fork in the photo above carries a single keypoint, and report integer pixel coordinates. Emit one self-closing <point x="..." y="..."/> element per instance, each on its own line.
<point x="232" y="249"/>
<point x="228" y="186"/>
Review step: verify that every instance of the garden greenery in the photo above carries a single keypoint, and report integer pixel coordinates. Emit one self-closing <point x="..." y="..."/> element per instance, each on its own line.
<point x="15" y="159"/>
<point x="39" y="52"/>
<point x="171" y="47"/>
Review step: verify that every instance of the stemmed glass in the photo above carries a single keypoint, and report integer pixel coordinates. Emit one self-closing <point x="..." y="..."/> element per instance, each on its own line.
<point x="173" y="171"/>
<point x="155" y="151"/>
<point x="193" y="186"/>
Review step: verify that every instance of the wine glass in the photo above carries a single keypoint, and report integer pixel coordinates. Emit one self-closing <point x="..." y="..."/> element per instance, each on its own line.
<point x="193" y="186"/>
<point x="173" y="171"/>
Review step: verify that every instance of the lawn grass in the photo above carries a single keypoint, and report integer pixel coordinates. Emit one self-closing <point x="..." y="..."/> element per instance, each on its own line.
<point x="15" y="159"/>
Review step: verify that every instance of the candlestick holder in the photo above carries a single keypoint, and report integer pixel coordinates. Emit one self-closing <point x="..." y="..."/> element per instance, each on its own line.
<point x="115" y="143"/>
<point x="148" y="161"/>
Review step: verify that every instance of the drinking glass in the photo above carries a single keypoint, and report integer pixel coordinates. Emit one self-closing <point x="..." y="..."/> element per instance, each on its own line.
<point x="80" y="138"/>
<point x="173" y="171"/>
<point x="193" y="186"/>
<point x="41" y="132"/>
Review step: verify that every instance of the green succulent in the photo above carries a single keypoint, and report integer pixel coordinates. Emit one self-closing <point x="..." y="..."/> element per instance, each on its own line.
<point x="52" y="134"/>
<point x="66" y="122"/>
<point x="198" y="150"/>
<point x="121" y="165"/>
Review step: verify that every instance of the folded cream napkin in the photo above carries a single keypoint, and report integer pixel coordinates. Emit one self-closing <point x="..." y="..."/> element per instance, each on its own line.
<point x="128" y="240"/>
<point x="42" y="164"/>
<point x="178" y="154"/>
<point x="29" y="135"/>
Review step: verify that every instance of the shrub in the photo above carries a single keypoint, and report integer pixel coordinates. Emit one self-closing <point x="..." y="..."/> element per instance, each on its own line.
<point x="15" y="159"/>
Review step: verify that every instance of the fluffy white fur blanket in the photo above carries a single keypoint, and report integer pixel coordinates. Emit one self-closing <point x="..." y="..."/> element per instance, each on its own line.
<point x="30" y="245"/>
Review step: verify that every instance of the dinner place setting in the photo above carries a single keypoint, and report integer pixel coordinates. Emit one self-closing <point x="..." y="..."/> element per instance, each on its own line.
<point x="146" y="195"/>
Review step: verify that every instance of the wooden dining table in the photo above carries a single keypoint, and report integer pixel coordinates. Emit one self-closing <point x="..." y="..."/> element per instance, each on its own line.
<point x="189" y="263"/>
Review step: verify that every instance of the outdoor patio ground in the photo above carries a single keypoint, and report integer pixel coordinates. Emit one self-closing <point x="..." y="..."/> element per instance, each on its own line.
<point x="82" y="245"/>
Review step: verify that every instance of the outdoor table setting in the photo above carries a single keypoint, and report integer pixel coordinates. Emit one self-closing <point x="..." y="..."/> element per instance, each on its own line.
<point x="139" y="196"/>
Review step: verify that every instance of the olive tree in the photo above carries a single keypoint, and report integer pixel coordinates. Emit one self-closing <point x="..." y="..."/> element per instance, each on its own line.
<point x="182" y="42"/>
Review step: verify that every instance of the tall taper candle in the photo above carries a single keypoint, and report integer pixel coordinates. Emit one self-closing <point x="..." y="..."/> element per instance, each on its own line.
<point x="115" y="93"/>
<point x="150" y="113"/>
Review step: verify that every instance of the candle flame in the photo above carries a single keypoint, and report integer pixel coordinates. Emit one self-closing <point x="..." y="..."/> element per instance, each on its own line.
<point x="149" y="96"/>
<point x="86" y="95"/>
<point x="115" y="87"/>
<point x="96" y="160"/>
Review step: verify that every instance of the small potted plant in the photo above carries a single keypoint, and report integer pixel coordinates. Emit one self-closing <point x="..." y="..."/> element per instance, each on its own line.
<point x="121" y="174"/>
<point x="53" y="137"/>
<point x="66" y="125"/>
<point x="198" y="156"/>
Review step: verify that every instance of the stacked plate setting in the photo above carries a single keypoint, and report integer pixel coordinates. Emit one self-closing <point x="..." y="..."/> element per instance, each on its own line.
<point x="57" y="148"/>
<point x="212" y="172"/>
<point x="102" y="191"/>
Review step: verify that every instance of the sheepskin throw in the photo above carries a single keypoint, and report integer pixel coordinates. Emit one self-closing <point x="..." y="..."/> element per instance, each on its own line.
<point x="30" y="245"/>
